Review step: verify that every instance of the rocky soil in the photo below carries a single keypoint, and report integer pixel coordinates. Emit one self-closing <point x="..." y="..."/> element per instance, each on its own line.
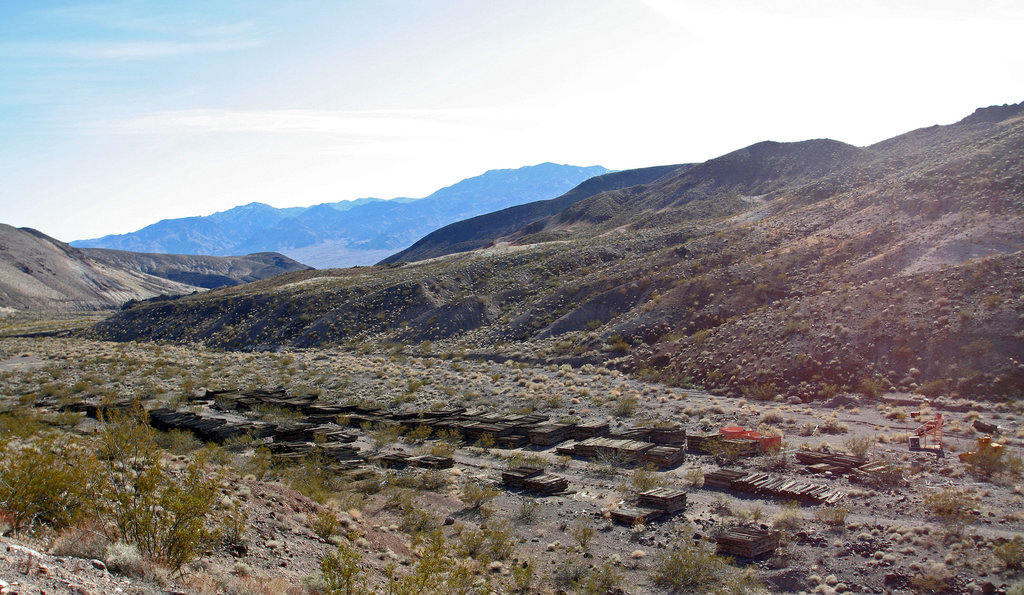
<point x="880" y="538"/>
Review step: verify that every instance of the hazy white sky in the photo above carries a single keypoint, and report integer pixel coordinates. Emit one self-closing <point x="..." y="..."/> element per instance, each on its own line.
<point x="115" y="114"/>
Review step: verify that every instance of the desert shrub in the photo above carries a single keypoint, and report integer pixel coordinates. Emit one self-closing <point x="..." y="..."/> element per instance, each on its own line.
<point x="161" y="513"/>
<point x="52" y="481"/>
<point x="643" y="479"/>
<point x="324" y="524"/>
<point x="583" y="531"/>
<point x="694" y="477"/>
<point x="871" y="387"/>
<point x="859" y="446"/>
<point x="760" y="391"/>
<point x="342" y="574"/>
<point x="789" y="517"/>
<point x="476" y="494"/>
<point x="834" y="516"/>
<point x="528" y="512"/>
<point x="832" y="425"/>
<point x="1011" y="554"/>
<point x="932" y="579"/>
<point x="625" y="406"/>
<point x="178" y="441"/>
<point x="953" y="507"/>
<point x="419" y="433"/>
<point x="436" y="572"/>
<point x="693" y="567"/>
<point x="87" y="541"/>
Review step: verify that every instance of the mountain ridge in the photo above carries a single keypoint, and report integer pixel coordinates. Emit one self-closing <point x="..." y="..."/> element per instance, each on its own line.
<point x="797" y="269"/>
<point x="337" y="234"/>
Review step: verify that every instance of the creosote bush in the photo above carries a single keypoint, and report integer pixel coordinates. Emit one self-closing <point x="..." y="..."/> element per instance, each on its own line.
<point x="693" y="567"/>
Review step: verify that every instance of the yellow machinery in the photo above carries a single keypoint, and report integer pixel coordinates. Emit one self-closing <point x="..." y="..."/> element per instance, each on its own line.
<point x="988" y="452"/>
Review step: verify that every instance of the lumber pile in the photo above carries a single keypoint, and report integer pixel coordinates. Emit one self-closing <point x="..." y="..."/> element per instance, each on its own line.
<point x="549" y="434"/>
<point x="629" y="451"/>
<point x="784" y="488"/>
<point x="590" y="430"/>
<point x="636" y="515"/>
<point x="668" y="500"/>
<point x="747" y="542"/>
<point x="704" y="443"/>
<point x="666" y="457"/>
<point x="671" y="435"/>
<point x="837" y="462"/>
<point x="534" y="479"/>
<point x="432" y="462"/>
<point x="722" y="479"/>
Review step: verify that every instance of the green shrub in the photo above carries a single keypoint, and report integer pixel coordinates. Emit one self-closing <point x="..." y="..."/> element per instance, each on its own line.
<point x="52" y="481"/>
<point x="476" y="494"/>
<point x="342" y="573"/>
<point x="692" y="567"/>
<point x="163" y="514"/>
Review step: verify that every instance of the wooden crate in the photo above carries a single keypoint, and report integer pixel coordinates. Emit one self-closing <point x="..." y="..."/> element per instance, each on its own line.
<point x="670" y="500"/>
<point x="704" y="443"/>
<point x="550" y="434"/>
<point x="636" y="515"/>
<point x="516" y="476"/>
<point x="590" y="430"/>
<point x="545" y="484"/>
<point x="674" y="435"/>
<point x="722" y="479"/>
<point x="667" y="457"/>
<point x="746" y="542"/>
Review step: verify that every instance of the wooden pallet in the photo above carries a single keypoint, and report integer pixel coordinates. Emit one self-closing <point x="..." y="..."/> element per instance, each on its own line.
<point x="627" y="450"/>
<point x="516" y="476"/>
<point x="550" y="434"/>
<point x="545" y="484"/>
<point x="432" y="462"/>
<point x="636" y="515"/>
<point x="722" y="479"/>
<point x="590" y="430"/>
<point x="704" y="443"/>
<point x="667" y="457"/>
<point x="747" y="543"/>
<point x="845" y="463"/>
<point x="673" y="435"/>
<point x="669" y="500"/>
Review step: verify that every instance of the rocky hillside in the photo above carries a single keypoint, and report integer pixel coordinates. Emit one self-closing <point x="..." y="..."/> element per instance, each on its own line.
<point x="348" y="233"/>
<point x="208" y="272"/>
<point x="38" y="272"/>
<point x="782" y="268"/>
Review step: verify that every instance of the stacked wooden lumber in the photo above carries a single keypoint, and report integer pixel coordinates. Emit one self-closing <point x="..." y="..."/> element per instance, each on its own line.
<point x="639" y="434"/>
<point x="545" y="484"/>
<point x="841" y="463"/>
<point x="534" y="479"/>
<point x="740" y="447"/>
<point x="627" y="450"/>
<point x="549" y="434"/>
<point x="747" y="542"/>
<point x="590" y="430"/>
<point x="636" y="515"/>
<point x="512" y="441"/>
<point x="669" y="500"/>
<point x="722" y="479"/>
<point x="785" y="488"/>
<point x="516" y="476"/>
<point x="667" y="457"/>
<point x="432" y="462"/>
<point x="394" y="460"/>
<point x="704" y="443"/>
<point x="674" y="435"/>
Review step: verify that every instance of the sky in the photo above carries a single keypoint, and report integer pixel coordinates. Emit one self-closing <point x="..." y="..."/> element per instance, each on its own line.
<point x="116" y="114"/>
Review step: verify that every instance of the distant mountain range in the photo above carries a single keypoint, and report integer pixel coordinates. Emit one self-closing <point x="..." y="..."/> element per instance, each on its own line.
<point x="347" y="233"/>
<point x="38" y="272"/>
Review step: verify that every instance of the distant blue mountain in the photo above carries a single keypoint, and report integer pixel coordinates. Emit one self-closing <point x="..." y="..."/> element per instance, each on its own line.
<point x="348" y="233"/>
